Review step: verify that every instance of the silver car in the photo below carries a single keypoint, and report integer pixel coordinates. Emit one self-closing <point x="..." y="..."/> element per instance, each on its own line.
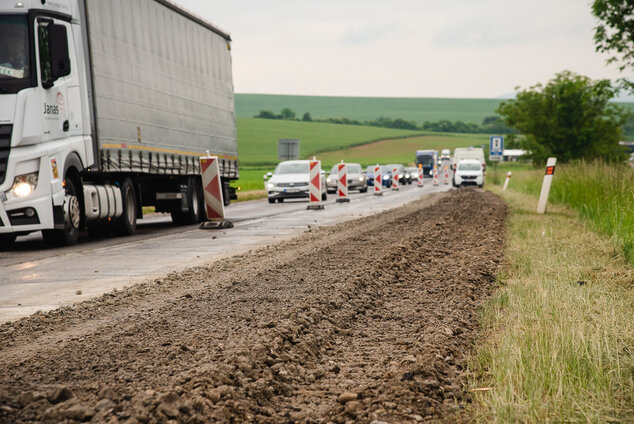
<point x="290" y="181"/>
<point x="356" y="178"/>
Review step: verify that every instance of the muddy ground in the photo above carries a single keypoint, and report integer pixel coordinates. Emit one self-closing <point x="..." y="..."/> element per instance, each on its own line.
<point x="369" y="320"/>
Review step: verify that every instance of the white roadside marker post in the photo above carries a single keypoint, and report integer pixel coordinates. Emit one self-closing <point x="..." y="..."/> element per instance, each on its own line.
<point x="506" y="183"/>
<point x="314" y="185"/>
<point x="378" y="181"/>
<point x="548" y="180"/>
<point x="342" y="183"/>
<point x="212" y="186"/>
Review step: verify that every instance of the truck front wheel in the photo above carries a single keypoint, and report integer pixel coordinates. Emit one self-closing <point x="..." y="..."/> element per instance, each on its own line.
<point x="72" y="219"/>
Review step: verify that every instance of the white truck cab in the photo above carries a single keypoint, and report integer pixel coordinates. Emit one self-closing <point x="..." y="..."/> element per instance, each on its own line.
<point x="100" y="116"/>
<point x="44" y="118"/>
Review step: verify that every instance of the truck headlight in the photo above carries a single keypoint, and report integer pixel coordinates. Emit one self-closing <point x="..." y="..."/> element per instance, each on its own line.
<point x="24" y="185"/>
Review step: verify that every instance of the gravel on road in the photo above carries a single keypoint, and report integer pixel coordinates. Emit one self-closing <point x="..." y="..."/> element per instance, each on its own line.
<point x="368" y="320"/>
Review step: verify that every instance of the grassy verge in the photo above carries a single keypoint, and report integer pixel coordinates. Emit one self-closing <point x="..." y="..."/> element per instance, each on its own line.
<point x="601" y="193"/>
<point x="556" y="350"/>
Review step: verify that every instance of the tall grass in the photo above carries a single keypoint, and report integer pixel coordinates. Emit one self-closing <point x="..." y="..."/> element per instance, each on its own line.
<point x="600" y="192"/>
<point x="559" y="333"/>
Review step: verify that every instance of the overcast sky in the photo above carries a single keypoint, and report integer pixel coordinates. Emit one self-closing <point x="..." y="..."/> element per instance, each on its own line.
<point x="404" y="48"/>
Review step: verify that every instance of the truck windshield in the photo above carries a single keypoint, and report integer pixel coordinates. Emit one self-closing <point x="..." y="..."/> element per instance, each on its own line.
<point x="15" y="69"/>
<point x="425" y="160"/>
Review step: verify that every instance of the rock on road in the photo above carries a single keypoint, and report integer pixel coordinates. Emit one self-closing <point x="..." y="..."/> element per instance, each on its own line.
<point x="370" y="319"/>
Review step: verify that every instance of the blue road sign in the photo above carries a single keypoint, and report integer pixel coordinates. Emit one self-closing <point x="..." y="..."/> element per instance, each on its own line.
<point x="496" y="147"/>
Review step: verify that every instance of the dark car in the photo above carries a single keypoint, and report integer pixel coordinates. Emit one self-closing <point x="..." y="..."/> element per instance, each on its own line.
<point x="385" y="176"/>
<point x="412" y="173"/>
<point x="402" y="175"/>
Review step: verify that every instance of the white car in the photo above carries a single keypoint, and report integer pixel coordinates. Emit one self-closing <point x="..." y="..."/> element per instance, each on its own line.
<point x="356" y="178"/>
<point x="445" y="154"/>
<point x="290" y="181"/>
<point x="469" y="172"/>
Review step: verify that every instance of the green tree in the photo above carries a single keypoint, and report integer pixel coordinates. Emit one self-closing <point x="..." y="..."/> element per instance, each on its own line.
<point x="569" y="118"/>
<point x="615" y="33"/>
<point x="287" y="113"/>
<point x="266" y="114"/>
<point x="307" y="117"/>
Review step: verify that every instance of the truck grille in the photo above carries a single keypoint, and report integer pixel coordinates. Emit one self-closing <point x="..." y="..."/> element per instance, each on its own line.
<point x="5" y="146"/>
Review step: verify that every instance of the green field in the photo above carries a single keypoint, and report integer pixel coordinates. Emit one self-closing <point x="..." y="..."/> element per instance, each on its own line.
<point x="257" y="138"/>
<point x="370" y="108"/>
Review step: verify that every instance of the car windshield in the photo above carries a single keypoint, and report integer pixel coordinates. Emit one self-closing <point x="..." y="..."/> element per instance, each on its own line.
<point x="351" y="169"/>
<point x="468" y="166"/>
<point x="14" y="50"/>
<point x="292" y="168"/>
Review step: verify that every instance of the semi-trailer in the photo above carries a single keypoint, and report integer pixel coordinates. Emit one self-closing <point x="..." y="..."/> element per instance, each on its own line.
<point x="106" y="106"/>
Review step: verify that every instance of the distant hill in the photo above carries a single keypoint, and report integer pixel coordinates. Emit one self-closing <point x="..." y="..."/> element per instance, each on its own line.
<point x="370" y="108"/>
<point x="418" y="110"/>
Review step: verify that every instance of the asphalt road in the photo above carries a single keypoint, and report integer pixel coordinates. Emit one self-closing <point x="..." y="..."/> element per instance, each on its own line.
<point x="35" y="277"/>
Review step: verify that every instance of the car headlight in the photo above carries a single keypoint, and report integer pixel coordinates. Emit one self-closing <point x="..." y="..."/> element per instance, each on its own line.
<point x="360" y="179"/>
<point x="386" y="177"/>
<point x="407" y="175"/>
<point x="328" y="179"/>
<point x="400" y="176"/>
<point x="271" y="186"/>
<point x="24" y="185"/>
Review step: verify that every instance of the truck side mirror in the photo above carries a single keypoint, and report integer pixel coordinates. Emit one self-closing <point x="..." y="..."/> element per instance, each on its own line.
<point x="60" y="58"/>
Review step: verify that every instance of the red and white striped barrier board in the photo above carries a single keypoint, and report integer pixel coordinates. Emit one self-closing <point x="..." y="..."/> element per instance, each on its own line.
<point x="214" y="206"/>
<point x="435" y="175"/>
<point x="395" y="179"/>
<point x="342" y="183"/>
<point x="421" y="176"/>
<point x="446" y="175"/>
<point x="212" y="187"/>
<point x="378" y="181"/>
<point x="506" y="183"/>
<point x="314" y="185"/>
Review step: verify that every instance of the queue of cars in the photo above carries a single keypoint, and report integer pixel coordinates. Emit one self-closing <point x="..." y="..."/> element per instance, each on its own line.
<point x="290" y="180"/>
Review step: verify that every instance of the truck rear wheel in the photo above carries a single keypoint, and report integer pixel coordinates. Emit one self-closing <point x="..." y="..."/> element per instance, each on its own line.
<point x="195" y="204"/>
<point x="126" y="224"/>
<point x="72" y="219"/>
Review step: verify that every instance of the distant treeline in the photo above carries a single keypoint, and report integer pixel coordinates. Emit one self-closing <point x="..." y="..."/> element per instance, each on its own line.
<point x="490" y="124"/>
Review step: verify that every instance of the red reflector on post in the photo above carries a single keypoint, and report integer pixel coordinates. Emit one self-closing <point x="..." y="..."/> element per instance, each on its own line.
<point x="550" y="170"/>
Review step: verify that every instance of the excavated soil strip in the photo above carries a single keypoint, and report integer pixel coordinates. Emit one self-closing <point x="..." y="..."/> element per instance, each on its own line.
<point x="366" y="320"/>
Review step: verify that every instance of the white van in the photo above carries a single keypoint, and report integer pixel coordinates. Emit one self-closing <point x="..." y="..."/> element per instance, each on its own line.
<point x="469" y="172"/>
<point x="461" y="153"/>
